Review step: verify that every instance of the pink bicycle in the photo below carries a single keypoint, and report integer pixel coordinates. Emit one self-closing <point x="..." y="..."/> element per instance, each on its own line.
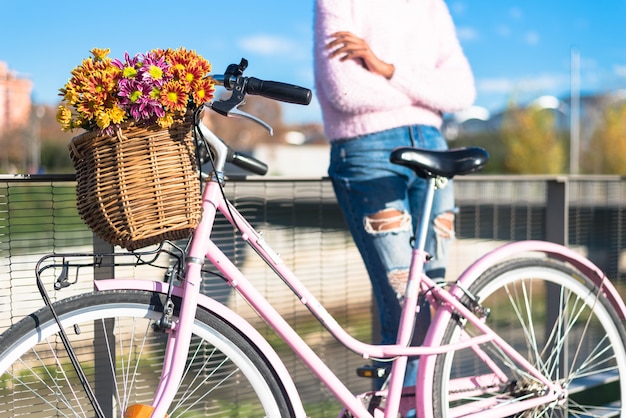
<point x="531" y="329"/>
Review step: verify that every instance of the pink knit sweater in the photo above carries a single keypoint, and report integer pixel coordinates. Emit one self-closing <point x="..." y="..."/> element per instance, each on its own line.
<point x="432" y="75"/>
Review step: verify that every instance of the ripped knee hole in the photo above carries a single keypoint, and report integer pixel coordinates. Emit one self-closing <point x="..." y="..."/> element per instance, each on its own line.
<point x="388" y="220"/>
<point x="444" y="225"/>
<point x="398" y="279"/>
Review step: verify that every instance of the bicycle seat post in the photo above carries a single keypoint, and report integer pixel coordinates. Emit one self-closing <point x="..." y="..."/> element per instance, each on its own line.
<point x="422" y="228"/>
<point x="418" y="259"/>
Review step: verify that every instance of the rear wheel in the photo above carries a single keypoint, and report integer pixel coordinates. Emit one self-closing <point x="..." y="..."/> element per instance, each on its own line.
<point x="560" y="322"/>
<point x="226" y="375"/>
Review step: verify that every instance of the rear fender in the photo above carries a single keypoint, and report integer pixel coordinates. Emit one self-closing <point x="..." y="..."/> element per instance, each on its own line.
<point x="559" y="252"/>
<point x="474" y="271"/>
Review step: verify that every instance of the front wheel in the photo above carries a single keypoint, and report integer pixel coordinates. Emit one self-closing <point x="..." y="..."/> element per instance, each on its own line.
<point x="560" y="322"/>
<point x="121" y="354"/>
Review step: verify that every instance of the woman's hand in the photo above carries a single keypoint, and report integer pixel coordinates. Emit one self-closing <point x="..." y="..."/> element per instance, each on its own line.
<point x="347" y="45"/>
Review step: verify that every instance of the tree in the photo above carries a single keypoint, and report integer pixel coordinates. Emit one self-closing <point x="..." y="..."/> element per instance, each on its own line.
<point x="533" y="142"/>
<point x="12" y="157"/>
<point x="607" y="151"/>
<point x="491" y="141"/>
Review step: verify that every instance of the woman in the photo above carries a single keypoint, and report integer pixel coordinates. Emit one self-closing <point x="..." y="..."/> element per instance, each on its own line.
<point x="385" y="72"/>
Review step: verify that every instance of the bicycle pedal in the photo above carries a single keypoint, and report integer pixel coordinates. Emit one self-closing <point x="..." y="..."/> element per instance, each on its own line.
<point x="371" y="372"/>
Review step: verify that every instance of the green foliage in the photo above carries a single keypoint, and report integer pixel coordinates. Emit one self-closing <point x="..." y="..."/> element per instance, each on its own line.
<point x="532" y="142"/>
<point x="607" y="151"/>
<point x="55" y="158"/>
<point x="490" y="141"/>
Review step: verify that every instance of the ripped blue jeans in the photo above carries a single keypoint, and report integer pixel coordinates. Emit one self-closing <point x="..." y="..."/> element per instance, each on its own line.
<point x="382" y="203"/>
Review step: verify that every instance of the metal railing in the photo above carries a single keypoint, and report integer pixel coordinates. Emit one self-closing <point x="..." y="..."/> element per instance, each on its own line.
<point x="302" y="222"/>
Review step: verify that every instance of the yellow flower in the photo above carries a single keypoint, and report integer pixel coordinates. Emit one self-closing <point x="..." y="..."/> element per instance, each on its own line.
<point x="99" y="53"/>
<point x="70" y="95"/>
<point x="165" y="121"/>
<point x="117" y="115"/>
<point x="64" y="117"/>
<point x="102" y="119"/>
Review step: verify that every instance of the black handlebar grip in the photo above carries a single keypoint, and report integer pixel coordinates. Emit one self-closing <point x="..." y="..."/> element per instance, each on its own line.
<point x="284" y="92"/>
<point x="249" y="163"/>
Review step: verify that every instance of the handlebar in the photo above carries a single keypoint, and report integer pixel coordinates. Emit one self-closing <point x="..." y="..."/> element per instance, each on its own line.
<point x="247" y="162"/>
<point x="234" y="81"/>
<point x="275" y="90"/>
<point x="284" y="92"/>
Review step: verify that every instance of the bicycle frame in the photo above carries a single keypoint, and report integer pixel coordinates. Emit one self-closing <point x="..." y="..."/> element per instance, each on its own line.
<point x="447" y="302"/>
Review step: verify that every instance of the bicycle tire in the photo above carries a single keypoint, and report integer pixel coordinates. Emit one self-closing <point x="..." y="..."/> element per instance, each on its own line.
<point x="583" y="349"/>
<point x="226" y="375"/>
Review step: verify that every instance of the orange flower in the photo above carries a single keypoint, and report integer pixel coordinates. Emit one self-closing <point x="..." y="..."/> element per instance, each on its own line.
<point x="173" y="96"/>
<point x="203" y="91"/>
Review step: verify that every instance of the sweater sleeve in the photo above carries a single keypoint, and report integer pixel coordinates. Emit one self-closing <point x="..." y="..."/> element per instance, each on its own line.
<point x="349" y="87"/>
<point x="449" y="85"/>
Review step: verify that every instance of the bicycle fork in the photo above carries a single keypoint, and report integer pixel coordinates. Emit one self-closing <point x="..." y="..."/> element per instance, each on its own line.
<point x="179" y="332"/>
<point x="178" y="341"/>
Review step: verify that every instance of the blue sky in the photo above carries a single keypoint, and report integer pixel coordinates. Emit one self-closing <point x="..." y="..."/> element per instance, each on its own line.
<point x="518" y="49"/>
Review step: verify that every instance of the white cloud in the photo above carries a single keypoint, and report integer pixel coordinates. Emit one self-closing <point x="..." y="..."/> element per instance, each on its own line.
<point x="620" y="70"/>
<point x="530" y="84"/>
<point x="516" y="13"/>
<point x="466" y="33"/>
<point x="544" y="83"/>
<point x="266" y="44"/>
<point x="532" y="38"/>
<point x="503" y="30"/>
<point x="587" y="63"/>
<point x="495" y="85"/>
<point x="458" y="7"/>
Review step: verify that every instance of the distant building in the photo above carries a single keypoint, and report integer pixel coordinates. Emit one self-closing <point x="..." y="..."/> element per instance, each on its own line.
<point x="15" y="100"/>
<point x="478" y="120"/>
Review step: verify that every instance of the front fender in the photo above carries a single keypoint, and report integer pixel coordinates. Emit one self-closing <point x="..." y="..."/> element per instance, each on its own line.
<point x="223" y="311"/>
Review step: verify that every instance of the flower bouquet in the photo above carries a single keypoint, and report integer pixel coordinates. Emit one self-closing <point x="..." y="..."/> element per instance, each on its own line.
<point x="153" y="88"/>
<point x="136" y="170"/>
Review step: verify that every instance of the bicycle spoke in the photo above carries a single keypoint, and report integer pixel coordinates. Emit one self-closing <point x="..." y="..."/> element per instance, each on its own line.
<point x="559" y="323"/>
<point x="521" y="306"/>
<point x="224" y="376"/>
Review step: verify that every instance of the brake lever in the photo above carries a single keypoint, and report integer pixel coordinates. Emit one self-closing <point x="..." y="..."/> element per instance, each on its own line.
<point x="238" y="113"/>
<point x="230" y="106"/>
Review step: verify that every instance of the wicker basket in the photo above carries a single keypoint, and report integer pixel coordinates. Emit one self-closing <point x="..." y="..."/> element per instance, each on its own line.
<point x="140" y="187"/>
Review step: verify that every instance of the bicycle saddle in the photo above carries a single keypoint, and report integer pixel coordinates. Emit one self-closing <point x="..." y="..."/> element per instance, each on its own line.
<point x="443" y="163"/>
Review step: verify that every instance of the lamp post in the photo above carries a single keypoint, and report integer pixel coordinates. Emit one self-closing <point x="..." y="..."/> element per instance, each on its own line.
<point x="34" y="149"/>
<point x="574" y="156"/>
